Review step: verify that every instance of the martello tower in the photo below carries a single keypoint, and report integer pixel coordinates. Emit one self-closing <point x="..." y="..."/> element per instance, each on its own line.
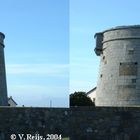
<point x="3" y="85"/>
<point x="119" y="75"/>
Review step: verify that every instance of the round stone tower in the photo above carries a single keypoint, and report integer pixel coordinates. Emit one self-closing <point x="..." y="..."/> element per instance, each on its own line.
<point x="3" y="85"/>
<point x="119" y="75"/>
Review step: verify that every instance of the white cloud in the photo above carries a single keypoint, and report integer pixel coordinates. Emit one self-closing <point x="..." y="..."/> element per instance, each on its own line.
<point x="48" y="69"/>
<point x="35" y="89"/>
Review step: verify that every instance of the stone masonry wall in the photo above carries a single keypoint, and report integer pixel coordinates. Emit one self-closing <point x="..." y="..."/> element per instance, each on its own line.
<point x="84" y="123"/>
<point x="33" y="121"/>
<point x="105" y="123"/>
<point x="119" y="71"/>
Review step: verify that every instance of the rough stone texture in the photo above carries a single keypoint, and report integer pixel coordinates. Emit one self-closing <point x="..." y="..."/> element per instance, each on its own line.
<point x="119" y="74"/>
<point x="105" y="123"/>
<point x="33" y="121"/>
<point x="84" y="123"/>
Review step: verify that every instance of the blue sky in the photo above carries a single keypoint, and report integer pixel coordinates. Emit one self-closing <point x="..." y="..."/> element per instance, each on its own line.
<point x="86" y="18"/>
<point x="44" y="36"/>
<point x="36" y="51"/>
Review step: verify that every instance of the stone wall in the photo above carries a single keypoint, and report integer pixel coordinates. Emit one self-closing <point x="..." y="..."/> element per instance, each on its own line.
<point x="33" y="121"/>
<point x="105" y="123"/>
<point x="84" y="123"/>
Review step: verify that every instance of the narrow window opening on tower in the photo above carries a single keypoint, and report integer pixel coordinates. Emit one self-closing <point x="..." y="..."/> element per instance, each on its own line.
<point x="104" y="60"/>
<point x="101" y="76"/>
